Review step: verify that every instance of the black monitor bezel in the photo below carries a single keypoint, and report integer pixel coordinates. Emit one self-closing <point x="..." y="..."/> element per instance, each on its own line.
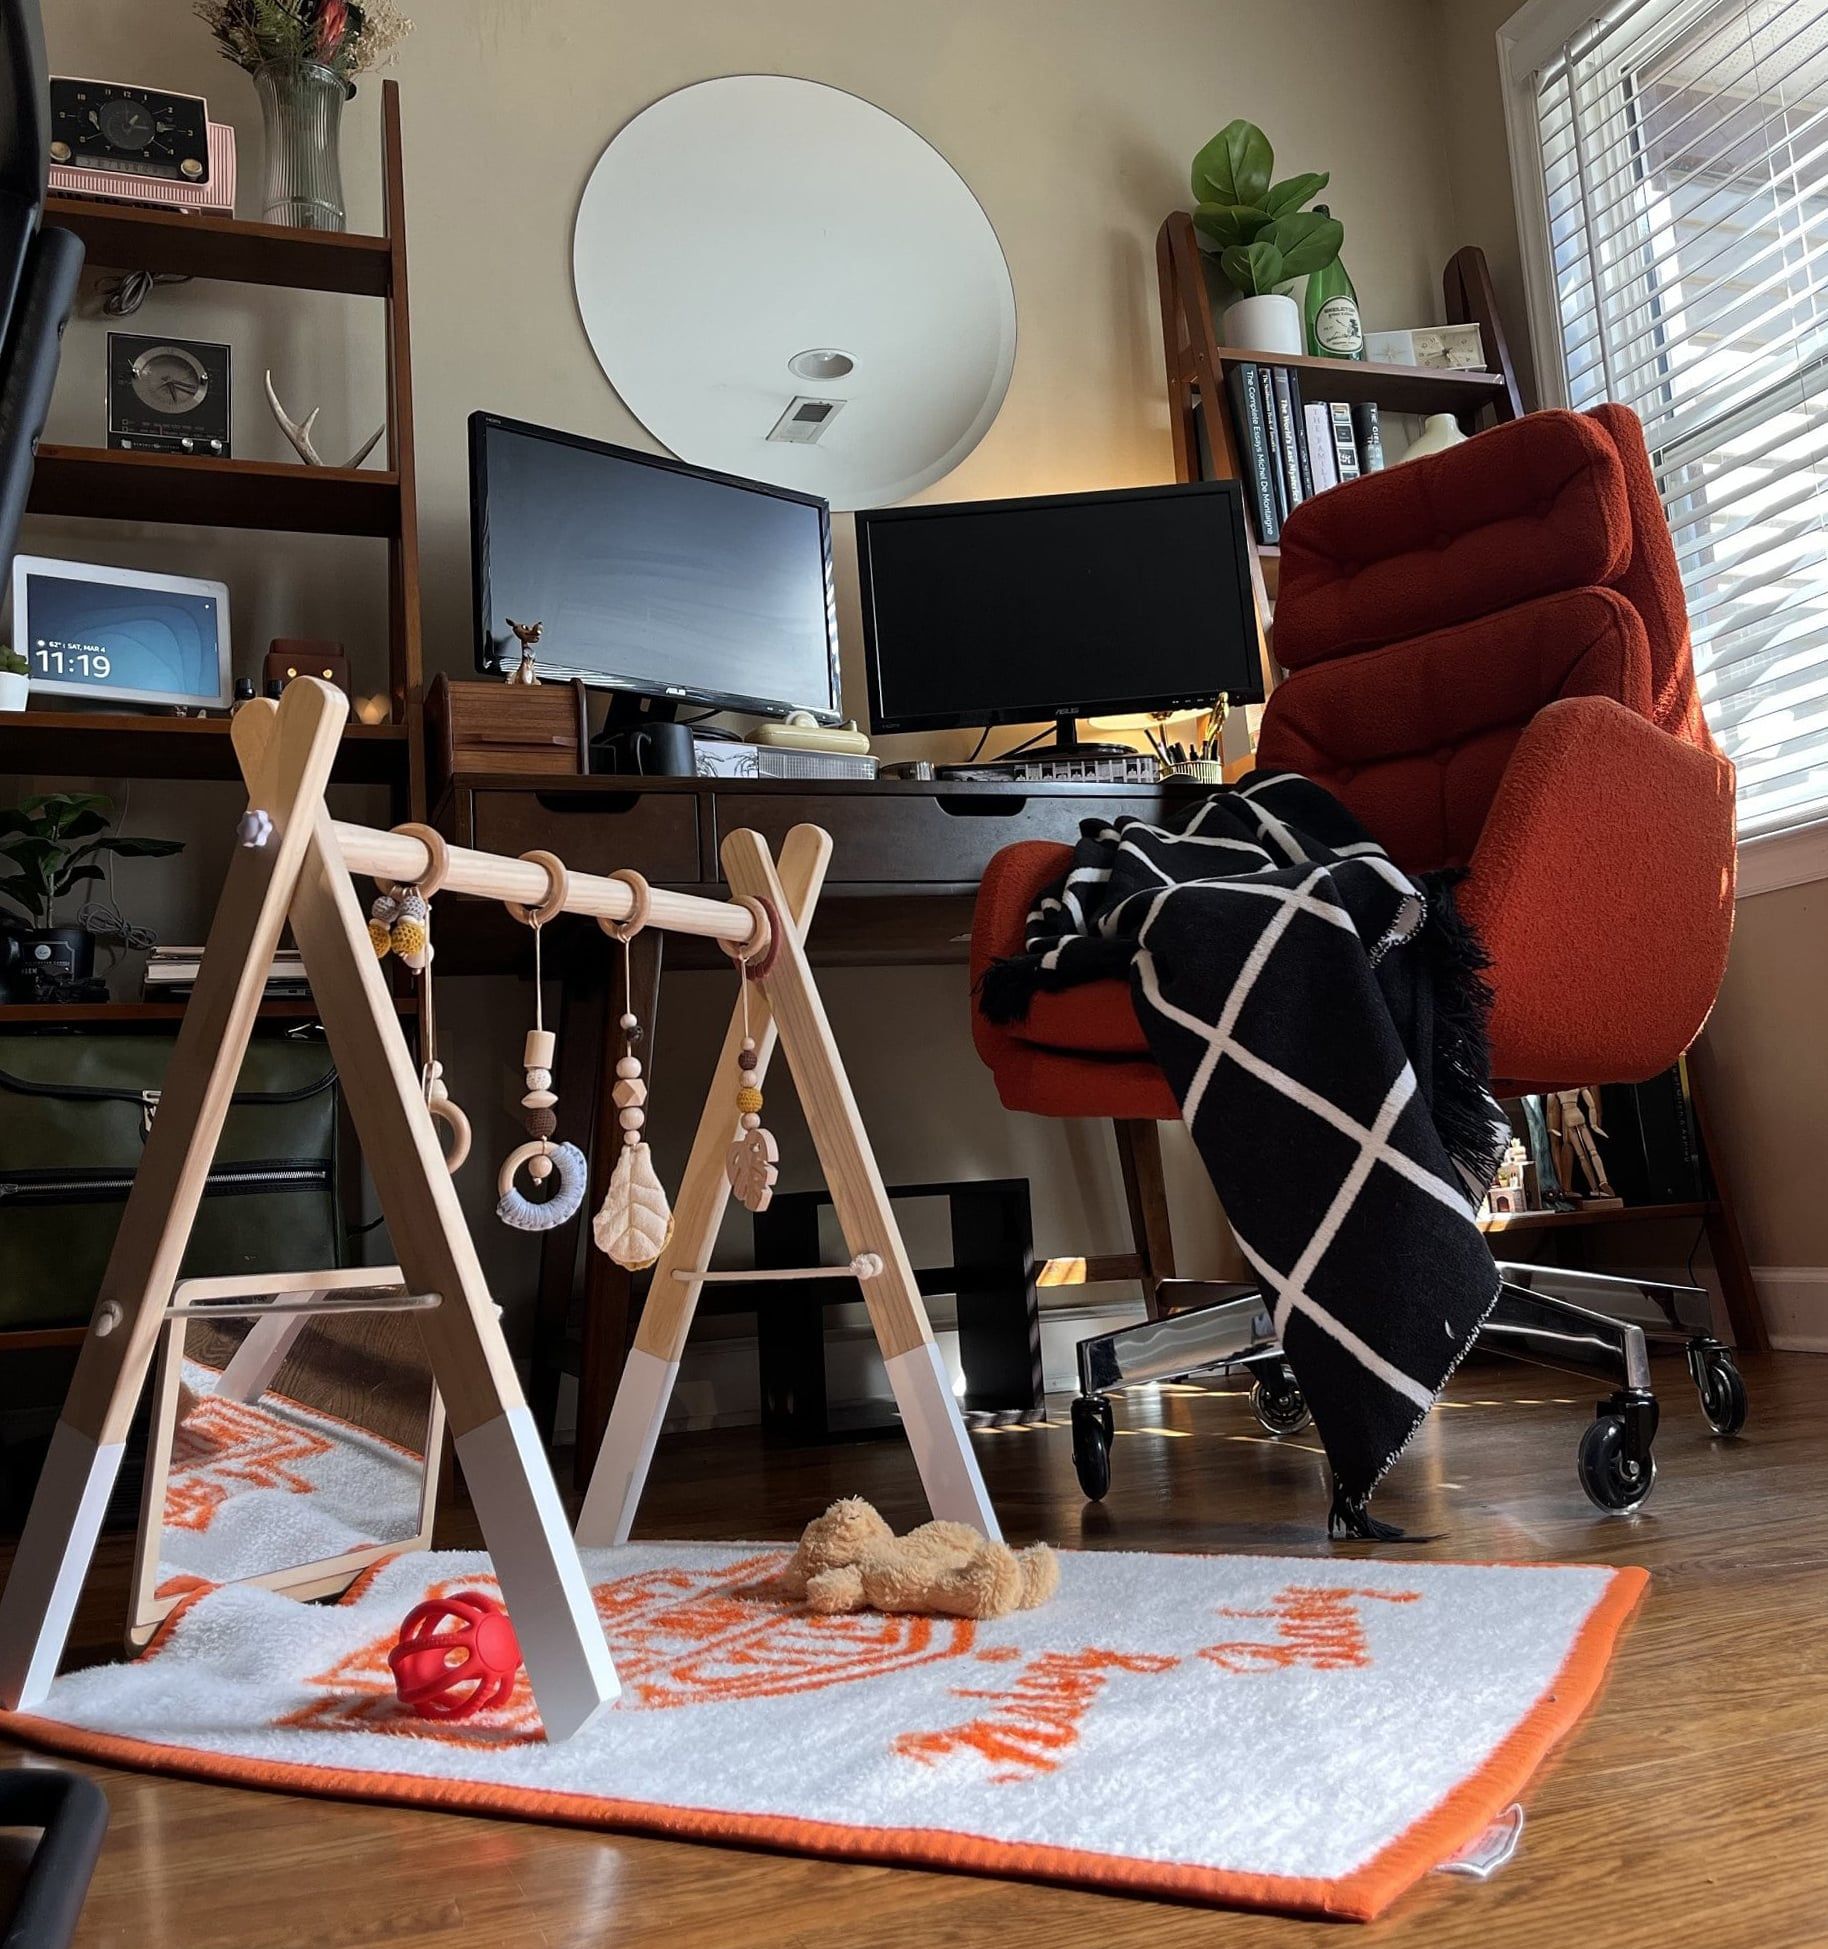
<point x="867" y="520"/>
<point x="482" y="608"/>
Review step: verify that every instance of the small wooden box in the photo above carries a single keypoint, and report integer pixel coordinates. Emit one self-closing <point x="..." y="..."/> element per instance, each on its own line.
<point x="499" y="728"/>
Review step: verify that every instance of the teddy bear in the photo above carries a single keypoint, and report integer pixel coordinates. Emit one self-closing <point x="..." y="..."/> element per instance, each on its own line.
<point x="850" y="1560"/>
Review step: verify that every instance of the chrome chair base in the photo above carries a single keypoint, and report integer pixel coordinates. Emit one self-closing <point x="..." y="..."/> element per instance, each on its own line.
<point x="1586" y="1323"/>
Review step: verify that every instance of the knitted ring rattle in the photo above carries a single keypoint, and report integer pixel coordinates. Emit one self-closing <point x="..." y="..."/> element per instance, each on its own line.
<point x="567" y="1164"/>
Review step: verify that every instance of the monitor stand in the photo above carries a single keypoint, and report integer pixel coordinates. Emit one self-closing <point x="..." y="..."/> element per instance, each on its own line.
<point x="643" y="738"/>
<point x="1068" y="744"/>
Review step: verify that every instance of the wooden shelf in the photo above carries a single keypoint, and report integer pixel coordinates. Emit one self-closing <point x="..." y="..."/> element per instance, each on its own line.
<point x="103" y="744"/>
<point x="108" y="486"/>
<point x="1396" y="388"/>
<point x="120" y="237"/>
<point x="1544" y="1221"/>
<point x="96" y="1015"/>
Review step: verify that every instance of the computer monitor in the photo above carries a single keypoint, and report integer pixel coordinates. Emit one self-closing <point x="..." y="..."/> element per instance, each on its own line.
<point x="1064" y="605"/>
<point x="654" y="580"/>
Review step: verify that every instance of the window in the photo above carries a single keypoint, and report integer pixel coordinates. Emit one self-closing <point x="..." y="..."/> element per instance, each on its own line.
<point x="1671" y="162"/>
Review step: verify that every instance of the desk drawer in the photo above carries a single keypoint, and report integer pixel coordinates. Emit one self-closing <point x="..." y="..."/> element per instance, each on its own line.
<point x="914" y="839"/>
<point x="595" y="832"/>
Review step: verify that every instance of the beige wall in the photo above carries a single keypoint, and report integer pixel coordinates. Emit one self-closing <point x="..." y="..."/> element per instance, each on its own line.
<point x="1073" y="121"/>
<point x="1764" y="1055"/>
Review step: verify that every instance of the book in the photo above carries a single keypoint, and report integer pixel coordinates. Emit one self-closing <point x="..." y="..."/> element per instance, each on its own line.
<point x="1323" y="463"/>
<point x="1303" y="460"/>
<point x="1345" y="443"/>
<point x="1266" y="392"/>
<point x="1286" y="435"/>
<point x="1254" y="457"/>
<point x="1370" y="431"/>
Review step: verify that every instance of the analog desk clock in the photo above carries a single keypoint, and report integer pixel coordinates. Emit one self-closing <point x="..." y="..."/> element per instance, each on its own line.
<point x="168" y="395"/>
<point x="116" y="129"/>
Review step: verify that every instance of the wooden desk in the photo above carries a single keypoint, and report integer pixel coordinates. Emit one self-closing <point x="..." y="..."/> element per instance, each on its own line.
<point x="906" y="861"/>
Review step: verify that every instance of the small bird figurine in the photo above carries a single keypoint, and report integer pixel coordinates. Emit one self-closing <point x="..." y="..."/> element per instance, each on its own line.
<point x="526" y="671"/>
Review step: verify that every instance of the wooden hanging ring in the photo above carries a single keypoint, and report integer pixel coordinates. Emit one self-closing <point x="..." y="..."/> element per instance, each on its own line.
<point x="558" y="890"/>
<point x="639" y="893"/>
<point x="444" y="1111"/>
<point x="756" y="961"/>
<point x="438" y="855"/>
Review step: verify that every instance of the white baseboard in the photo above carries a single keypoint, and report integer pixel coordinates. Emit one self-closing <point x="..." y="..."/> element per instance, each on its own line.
<point x="1795" y="1302"/>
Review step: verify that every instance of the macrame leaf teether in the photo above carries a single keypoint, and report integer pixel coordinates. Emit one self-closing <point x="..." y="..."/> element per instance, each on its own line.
<point x="634" y="1221"/>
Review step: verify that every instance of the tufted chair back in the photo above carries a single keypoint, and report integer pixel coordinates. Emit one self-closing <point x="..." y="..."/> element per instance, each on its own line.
<point x="1427" y="614"/>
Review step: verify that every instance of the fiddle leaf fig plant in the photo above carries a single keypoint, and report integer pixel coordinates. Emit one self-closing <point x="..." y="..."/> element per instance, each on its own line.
<point x="1261" y="233"/>
<point x="57" y="840"/>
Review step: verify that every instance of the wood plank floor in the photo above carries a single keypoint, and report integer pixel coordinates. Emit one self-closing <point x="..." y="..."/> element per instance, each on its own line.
<point x="1692" y="1806"/>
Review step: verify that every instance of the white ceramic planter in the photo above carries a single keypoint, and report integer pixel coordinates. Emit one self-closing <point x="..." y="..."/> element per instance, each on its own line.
<point x="1271" y="324"/>
<point x="14" y="689"/>
<point x="1439" y="432"/>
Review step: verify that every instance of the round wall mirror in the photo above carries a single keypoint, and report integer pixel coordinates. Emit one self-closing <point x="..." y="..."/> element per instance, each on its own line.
<point x="782" y="281"/>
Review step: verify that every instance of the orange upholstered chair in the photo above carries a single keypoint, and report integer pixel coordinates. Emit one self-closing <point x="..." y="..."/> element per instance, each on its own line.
<point x="1488" y="662"/>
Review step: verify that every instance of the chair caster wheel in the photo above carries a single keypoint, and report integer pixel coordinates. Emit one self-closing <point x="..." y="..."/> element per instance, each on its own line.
<point x="1092" y="1445"/>
<point x="1279" y="1404"/>
<point x="1720" y="1385"/>
<point x="1615" y="1465"/>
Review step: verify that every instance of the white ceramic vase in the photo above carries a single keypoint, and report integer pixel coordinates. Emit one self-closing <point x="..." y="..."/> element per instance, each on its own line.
<point x="14" y="690"/>
<point x="1439" y="432"/>
<point x="1271" y="324"/>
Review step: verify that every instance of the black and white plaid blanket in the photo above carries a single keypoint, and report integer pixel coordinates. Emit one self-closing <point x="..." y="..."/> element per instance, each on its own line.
<point x="1321" y="1017"/>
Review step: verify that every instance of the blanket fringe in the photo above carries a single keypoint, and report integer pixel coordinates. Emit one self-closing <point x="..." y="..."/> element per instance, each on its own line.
<point x="1461" y="1104"/>
<point x="1005" y="989"/>
<point x="1349" y="1518"/>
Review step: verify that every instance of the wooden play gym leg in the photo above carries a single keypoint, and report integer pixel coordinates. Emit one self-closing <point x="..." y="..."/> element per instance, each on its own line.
<point x="85" y="1451"/>
<point x="788" y="1008"/>
<point x="498" y="1447"/>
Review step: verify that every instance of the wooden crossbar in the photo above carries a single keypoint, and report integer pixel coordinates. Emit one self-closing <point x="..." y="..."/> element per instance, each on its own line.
<point x="400" y="858"/>
<point x="866" y="1265"/>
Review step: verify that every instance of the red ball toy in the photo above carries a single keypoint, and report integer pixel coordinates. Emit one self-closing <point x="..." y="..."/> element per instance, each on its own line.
<point x="456" y="1655"/>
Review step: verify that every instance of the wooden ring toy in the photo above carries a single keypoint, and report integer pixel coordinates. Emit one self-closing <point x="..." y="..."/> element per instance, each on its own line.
<point x="640" y="893"/>
<point x="438" y="852"/>
<point x="756" y="961"/>
<point x="446" y="1112"/>
<point x="558" y="890"/>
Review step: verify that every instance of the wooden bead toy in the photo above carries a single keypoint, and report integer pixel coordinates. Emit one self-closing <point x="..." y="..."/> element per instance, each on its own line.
<point x="634" y="1221"/>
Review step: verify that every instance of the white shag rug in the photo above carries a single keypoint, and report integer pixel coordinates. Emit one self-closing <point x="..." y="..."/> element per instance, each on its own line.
<point x="1289" y="1733"/>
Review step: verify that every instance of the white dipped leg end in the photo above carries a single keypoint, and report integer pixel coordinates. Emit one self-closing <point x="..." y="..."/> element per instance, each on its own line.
<point x="628" y="1447"/>
<point x="51" y="1563"/>
<point x="536" y="1563"/>
<point x="942" y="1448"/>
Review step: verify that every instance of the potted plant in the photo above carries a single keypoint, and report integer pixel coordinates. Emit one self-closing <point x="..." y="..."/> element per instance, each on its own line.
<point x="15" y="679"/>
<point x="49" y="844"/>
<point x="1263" y="237"/>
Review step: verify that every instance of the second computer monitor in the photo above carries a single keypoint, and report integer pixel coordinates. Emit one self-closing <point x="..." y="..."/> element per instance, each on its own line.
<point x="1060" y="606"/>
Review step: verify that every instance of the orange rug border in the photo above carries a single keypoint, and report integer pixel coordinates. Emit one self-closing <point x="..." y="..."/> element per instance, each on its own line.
<point x="1449" y="1827"/>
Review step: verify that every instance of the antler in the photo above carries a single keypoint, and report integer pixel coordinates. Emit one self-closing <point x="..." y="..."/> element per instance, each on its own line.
<point x="299" y="432"/>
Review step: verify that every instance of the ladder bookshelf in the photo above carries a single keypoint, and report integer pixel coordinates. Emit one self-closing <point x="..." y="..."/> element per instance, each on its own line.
<point x="1207" y="442"/>
<point x="379" y="502"/>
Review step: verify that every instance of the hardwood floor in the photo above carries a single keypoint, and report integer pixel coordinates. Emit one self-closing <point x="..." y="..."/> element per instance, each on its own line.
<point x="1692" y="1805"/>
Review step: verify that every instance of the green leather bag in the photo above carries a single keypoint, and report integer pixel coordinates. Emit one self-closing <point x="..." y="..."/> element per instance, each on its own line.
<point x="74" y="1112"/>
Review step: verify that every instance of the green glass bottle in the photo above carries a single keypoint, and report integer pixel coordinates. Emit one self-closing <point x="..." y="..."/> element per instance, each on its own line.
<point x="1330" y="306"/>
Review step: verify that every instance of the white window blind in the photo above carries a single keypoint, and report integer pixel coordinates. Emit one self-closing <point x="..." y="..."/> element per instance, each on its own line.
<point x="1683" y="154"/>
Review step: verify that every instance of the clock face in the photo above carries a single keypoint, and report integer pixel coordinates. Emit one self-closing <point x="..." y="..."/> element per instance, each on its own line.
<point x="168" y="395"/>
<point x="170" y="380"/>
<point x="126" y="123"/>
